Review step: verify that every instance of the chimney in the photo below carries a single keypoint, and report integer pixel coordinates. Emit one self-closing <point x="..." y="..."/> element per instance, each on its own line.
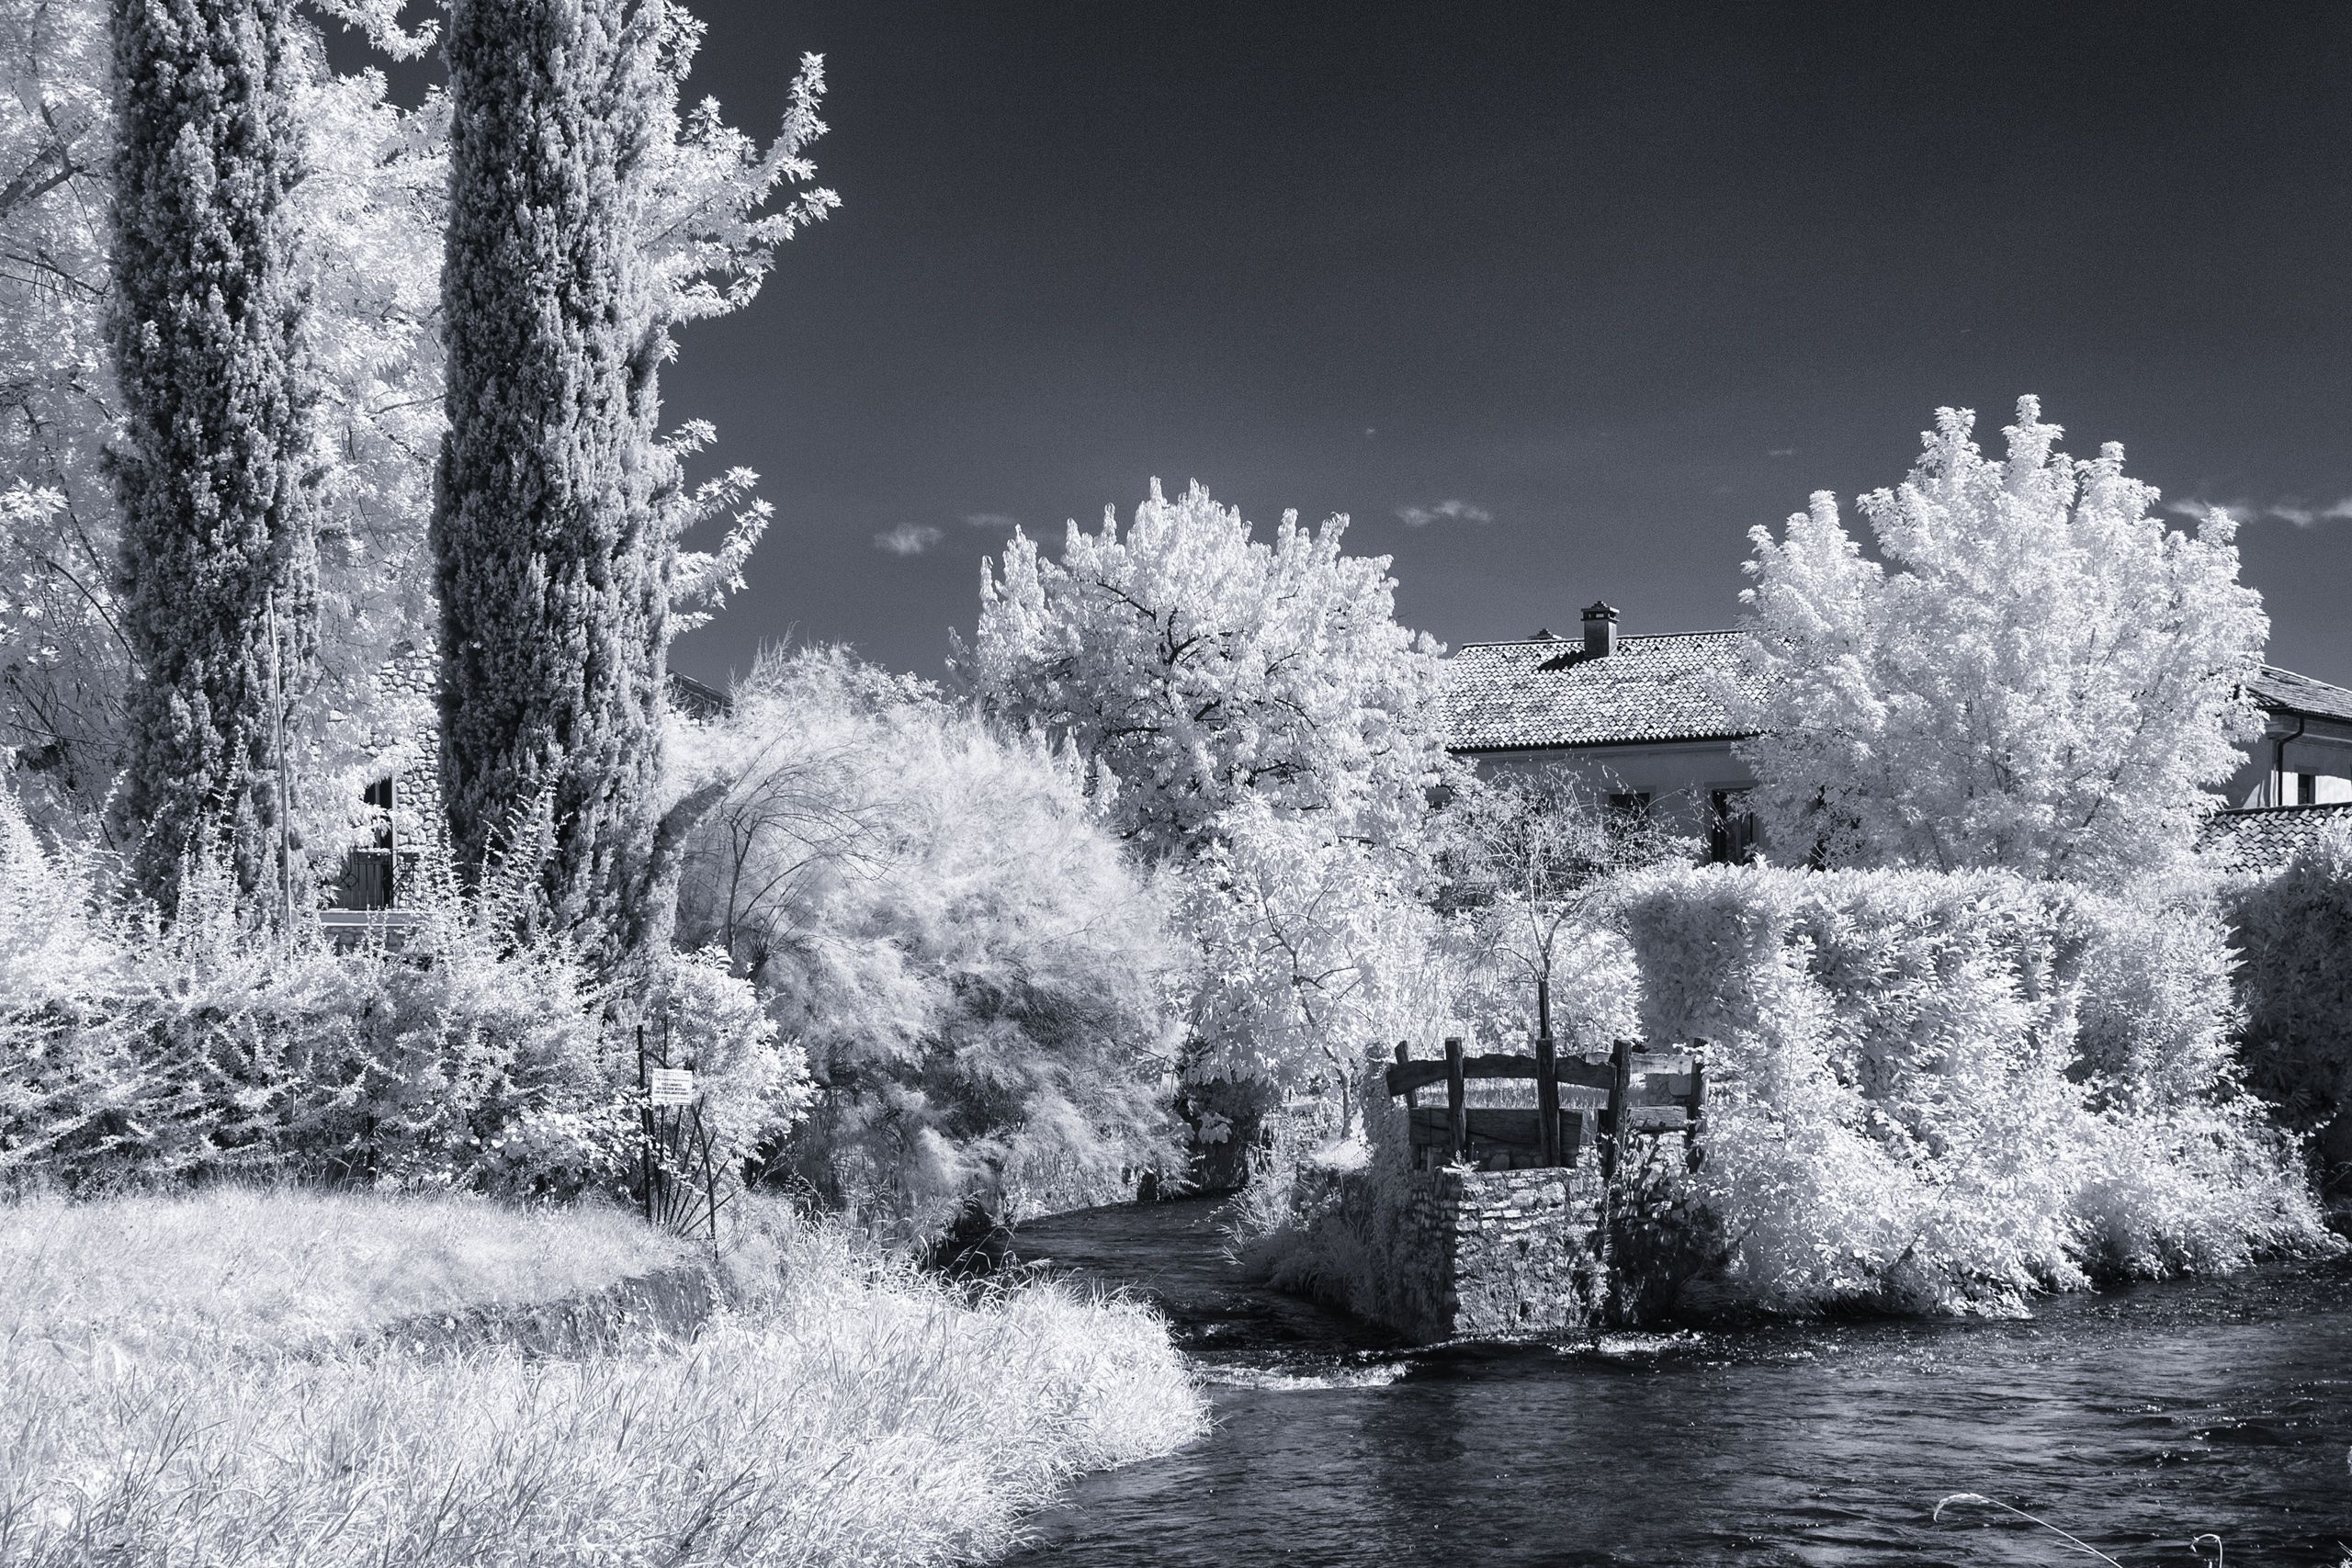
<point x="1599" y="632"/>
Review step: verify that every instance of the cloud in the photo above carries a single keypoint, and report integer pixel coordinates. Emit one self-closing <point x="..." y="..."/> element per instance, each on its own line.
<point x="909" y="539"/>
<point x="2302" y="514"/>
<point x="996" y="520"/>
<point x="1444" y="511"/>
<point x="1781" y="452"/>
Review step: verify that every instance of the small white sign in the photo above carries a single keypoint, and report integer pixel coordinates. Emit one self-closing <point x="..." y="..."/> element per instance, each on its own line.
<point x="670" y="1086"/>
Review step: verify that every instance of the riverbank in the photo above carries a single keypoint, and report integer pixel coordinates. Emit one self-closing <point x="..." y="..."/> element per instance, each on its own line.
<point x="208" y="1380"/>
<point x="2135" y="1418"/>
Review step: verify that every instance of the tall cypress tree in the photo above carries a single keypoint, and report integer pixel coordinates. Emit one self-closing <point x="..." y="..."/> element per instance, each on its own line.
<point x="219" y="560"/>
<point x="553" y="569"/>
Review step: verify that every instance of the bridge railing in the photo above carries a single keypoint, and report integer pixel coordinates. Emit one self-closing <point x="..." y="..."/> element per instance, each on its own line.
<point x="1581" y="1102"/>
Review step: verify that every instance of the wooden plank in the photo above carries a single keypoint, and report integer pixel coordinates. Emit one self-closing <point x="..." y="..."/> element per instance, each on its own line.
<point x="1432" y="1127"/>
<point x="1659" y="1062"/>
<point x="1586" y="1072"/>
<point x="1657" y="1119"/>
<point x="1408" y="1076"/>
<point x="1404" y="1059"/>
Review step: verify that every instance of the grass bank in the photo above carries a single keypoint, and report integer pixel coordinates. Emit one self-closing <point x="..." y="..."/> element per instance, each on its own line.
<point x="842" y="1410"/>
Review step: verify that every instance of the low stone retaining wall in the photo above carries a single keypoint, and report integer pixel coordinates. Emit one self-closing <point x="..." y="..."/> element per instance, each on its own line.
<point x="676" y="1302"/>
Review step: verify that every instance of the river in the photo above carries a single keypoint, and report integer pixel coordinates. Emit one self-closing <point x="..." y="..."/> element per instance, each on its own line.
<point x="2134" y="1418"/>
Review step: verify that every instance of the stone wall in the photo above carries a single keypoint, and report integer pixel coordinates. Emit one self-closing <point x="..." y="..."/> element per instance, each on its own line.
<point x="1481" y="1254"/>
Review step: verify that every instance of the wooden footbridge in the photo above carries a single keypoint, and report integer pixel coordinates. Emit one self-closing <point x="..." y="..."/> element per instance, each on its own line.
<point x="1580" y="1104"/>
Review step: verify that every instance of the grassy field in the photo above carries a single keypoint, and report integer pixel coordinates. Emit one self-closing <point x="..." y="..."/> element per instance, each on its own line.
<point x="243" y="1269"/>
<point x="168" y="1399"/>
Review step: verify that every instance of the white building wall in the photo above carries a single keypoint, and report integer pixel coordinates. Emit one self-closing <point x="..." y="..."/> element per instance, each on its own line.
<point x="1679" y="776"/>
<point x="2322" y="750"/>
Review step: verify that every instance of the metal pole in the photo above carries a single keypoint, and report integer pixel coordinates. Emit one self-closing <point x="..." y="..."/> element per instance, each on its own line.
<point x="644" y="1127"/>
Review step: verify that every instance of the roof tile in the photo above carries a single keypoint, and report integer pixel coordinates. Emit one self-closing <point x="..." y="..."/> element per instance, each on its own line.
<point x="1549" y="692"/>
<point x="2264" y="838"/>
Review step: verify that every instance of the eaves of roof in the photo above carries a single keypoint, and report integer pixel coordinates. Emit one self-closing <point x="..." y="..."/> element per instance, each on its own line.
<point x="2285" y="691"/>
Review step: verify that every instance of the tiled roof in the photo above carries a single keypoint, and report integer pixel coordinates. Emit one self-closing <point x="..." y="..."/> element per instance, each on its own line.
<point x="2283" y="691"/>
<point x="695" y="700"/>
<point x="1548" y="692"/>
<point x="2264" y="838"/>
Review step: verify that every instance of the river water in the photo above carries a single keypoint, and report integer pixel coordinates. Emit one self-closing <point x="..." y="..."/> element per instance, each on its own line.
<point x="2136" y="1419"/>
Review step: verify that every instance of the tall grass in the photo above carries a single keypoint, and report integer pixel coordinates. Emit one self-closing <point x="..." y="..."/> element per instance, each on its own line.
<point x="844" y="1411"/>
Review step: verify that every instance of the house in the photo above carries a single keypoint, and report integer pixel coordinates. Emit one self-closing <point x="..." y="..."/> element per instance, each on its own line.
<point x="2304" y="757"/>
<point x="1636" y="718"/>
<point x="1640" y="721"/>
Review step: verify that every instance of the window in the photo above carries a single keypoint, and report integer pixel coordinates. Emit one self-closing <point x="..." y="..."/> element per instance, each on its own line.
<point x="2306" y="789"/>
<point x="1731" y="828"/>
<point x="1631" y="802"/>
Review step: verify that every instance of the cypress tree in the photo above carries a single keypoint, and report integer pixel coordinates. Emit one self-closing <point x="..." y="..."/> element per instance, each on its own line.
<point x="213" y="469"/>
<point x="552" y="568"/>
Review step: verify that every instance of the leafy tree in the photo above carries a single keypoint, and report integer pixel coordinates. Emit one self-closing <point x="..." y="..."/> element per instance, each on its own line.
<point x="552" y="579"/>
<point x="1526" y="854"/>
<point x="63" y="652"/>
<point x="2041" y="677"/>
<point x="1261" y="723"/>
<point x="1204" y="668"/>
<point x="367" y="211"/>
<point x="219" y="560"/>
<point x="979" y="977"/>
<point x="558" y="506"/>
<point x="1314" y="952"/>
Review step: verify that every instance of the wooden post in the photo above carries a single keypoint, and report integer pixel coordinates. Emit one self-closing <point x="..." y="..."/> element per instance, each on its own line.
<point x="1457" y="1111"/>
<point x="1620" y="1091"/>
<point x="1413" y="1156"/>
<point x="1694" y="1154"/>
<point x="1547" y="1102"/>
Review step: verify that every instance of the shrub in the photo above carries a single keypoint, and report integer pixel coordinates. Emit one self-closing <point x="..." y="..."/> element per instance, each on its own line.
<point x="1931" y="1092"/>
<point x="134" y="1047"/>
<point x="2293" y="930"/>
<point x="979" y="975"/>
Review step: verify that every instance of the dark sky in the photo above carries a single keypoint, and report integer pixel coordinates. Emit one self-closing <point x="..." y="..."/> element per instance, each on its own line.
<point x="1625" y="279"/>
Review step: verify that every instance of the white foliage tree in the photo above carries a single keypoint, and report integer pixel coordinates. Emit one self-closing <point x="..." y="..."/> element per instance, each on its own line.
<point x="2042" y="676"/>
<point x="1314" y="952"/>
<point x="61" y="650"/>
<point x="979" y="976"/>
<point x="1204" y="668"/>
<point x="368" y="214"/>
